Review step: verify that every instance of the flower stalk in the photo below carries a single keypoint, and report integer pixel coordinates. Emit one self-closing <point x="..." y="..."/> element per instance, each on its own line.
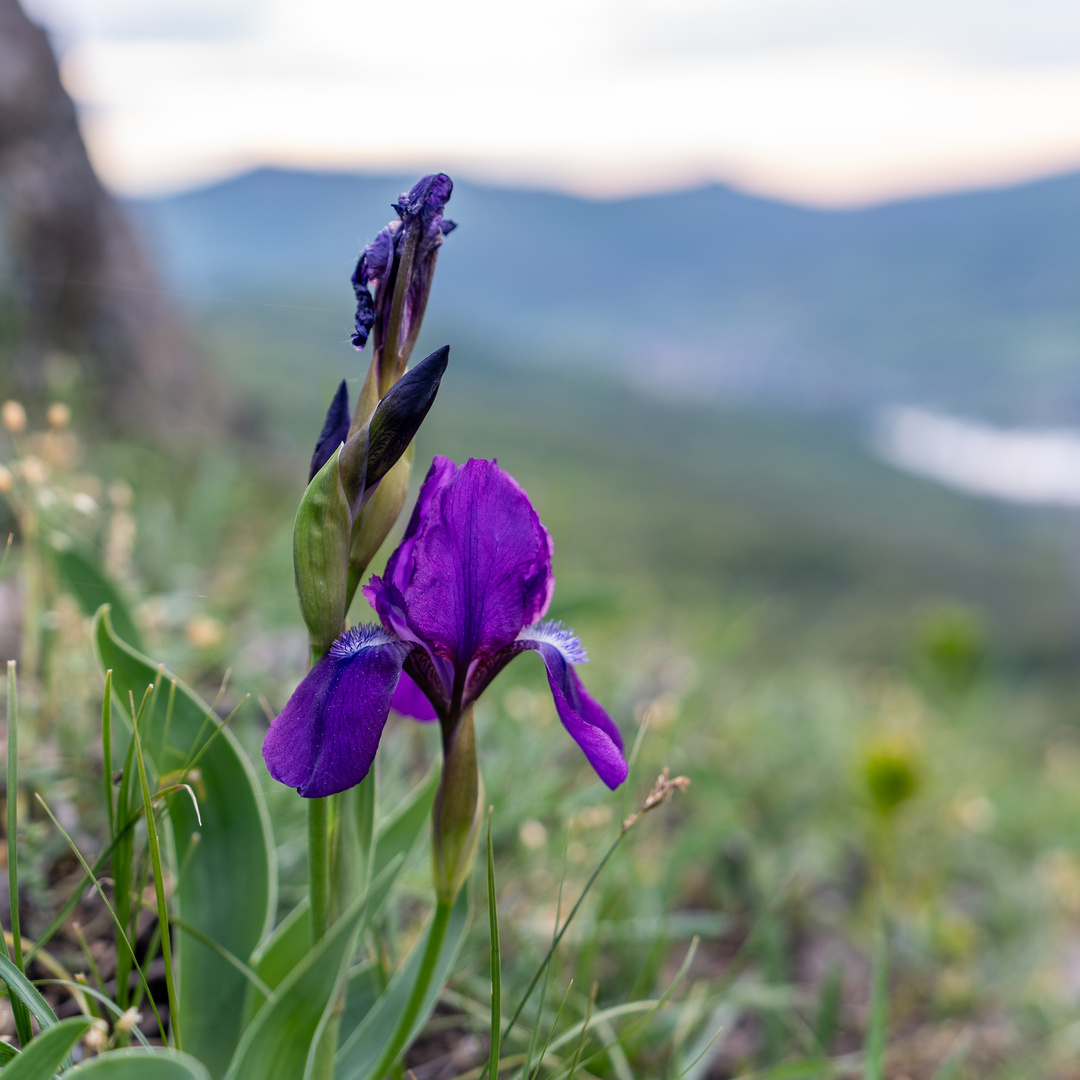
<point x="457" y="813"/>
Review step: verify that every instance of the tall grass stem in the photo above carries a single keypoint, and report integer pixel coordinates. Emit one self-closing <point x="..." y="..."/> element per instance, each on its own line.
<point x="159" y="882"/>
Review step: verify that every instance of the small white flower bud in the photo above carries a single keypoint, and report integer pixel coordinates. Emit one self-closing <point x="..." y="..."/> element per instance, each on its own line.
<point x="95" y="1038"/>
<point x="13" y="416"/>
<point x="127" y="1020"/>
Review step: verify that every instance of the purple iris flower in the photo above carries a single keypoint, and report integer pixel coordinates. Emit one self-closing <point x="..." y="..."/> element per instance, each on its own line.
<point x="462" y="595"/>
<point x="411" y="245"/>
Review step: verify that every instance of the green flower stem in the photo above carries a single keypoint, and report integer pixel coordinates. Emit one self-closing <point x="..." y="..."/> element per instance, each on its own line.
<point x="319" y="864"/>
<point x="19" y="1010"/>
<point x="396" y="1044"/>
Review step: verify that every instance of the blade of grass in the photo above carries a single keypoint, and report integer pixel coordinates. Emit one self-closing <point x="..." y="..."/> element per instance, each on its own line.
<point x="168" y="718"/>
<point x="656" y="1005"/>
<point x="106" y="752"/>
<point x="535" y="1034"/>
<point x="661" y="792"/>
<point x="98" y="996"/>
<point x="565" y="926"/>
<point x="72" y="901"/>
<point x="218" y="729"/>
<point x="620" y="1064"/>
<point x="551" y="1030"/>
<point x="7" y="552"/>
<point x="496" y="958"/>
<point x="24" y="990"/>
<point x="111" y="910"/>
<point x="51" y="964"/>
<point x="874" y="1062"/>
<point x="704" y="1050"/>
<point x="91" y="963"/>
<point x="122" y="875"/>
<point x="159" y="884"/>
<point x="22" y="1016"/>
<point x="584" y="1031"/>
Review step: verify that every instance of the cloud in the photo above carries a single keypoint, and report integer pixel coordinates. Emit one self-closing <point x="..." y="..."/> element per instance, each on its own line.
<point x="590" y="96"/>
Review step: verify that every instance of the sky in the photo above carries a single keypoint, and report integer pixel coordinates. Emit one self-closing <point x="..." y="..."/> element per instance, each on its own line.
<point x="823" y="102"/>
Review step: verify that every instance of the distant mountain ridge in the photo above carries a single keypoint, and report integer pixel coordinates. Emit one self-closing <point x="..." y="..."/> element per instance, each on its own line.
<point x="969" y="302"/>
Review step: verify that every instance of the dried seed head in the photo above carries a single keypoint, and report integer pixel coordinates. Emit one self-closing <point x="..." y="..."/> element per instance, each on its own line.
<point x="128" y="1019"/>
<point x="59" y="415"/>
<point x="7" y="481"/>
<point x="13" y="416"/>
<point x="95" y="1038"/>
<point x="662" y="790"/>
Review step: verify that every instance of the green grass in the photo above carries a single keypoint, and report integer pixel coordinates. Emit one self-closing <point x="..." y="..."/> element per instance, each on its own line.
<point x="778" y="617"/>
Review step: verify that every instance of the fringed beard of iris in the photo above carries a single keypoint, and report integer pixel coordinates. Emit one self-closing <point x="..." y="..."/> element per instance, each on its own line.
<point x="463" y="594"/>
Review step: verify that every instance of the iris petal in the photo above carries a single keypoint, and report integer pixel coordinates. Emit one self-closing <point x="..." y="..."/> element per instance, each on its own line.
<point x="326" y="736"/>
<point x="589" y="726"/>
<point x="410" y="700"/>
<point x="481" y="563"/>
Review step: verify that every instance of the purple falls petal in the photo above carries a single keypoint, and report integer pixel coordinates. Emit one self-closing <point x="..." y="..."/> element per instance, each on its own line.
<point x="325" y="739"/>
<point x="589" y="726"/>
<point x="334" y="432"/>
<point x="481" y="563"/>
<point x="410" y="700"/>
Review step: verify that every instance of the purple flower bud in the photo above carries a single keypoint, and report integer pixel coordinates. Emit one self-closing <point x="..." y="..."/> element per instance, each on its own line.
<point x="334" y="432"/>
<point x="398" y="265"/>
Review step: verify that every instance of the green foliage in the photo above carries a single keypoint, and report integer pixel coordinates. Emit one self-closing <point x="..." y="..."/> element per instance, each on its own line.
<point x="41" y="1059"/>
<point x="21" y="988"/>
<point x="227" y="888"/>
<point x="281" y="1040"/>
<point x="365" y="1047"/>
<point x="496" y="960"/>
<point x="952" y="644"/>
<point x="140" y="1065"/>
<point x="891" y="769"/>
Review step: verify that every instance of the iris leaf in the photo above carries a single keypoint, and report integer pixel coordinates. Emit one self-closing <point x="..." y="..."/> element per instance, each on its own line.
<point x="139" y="1065"/>
<point x="278" y="1042"/>
<point x="21" y="988"/>
<point x="41" y="1059"/>
<point x="361" y="1051"/>
<point x="229" y="880"/>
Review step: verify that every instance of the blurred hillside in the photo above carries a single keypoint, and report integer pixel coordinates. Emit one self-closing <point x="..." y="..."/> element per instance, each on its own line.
<point x="683" y="382"/>
<point x="970" y="302"/>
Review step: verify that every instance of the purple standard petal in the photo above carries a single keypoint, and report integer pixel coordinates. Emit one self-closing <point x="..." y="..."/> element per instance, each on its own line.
<point x="481" y="564"/>
<point x="589" y="726"/>
<point x="387" y="594"/>
<point x="410" y="700"/>
<point x="326" y="736"/>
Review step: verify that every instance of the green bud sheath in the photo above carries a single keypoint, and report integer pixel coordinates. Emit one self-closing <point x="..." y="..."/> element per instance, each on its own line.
<point x="456" y="817"/>
<point x="321" y="536"/>
<point x="377" y="518"/>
